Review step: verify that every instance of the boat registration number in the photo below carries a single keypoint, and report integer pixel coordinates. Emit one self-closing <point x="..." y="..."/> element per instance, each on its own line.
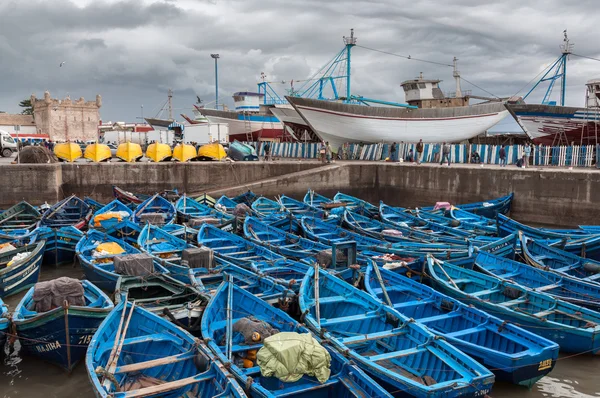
<point x="545" y="364"/>
<point x="482" y="393"/>
<point x="64" y="239"/>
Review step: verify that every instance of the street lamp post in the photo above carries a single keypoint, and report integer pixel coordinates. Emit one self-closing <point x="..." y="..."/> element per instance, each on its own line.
<point x="216" y="57"/>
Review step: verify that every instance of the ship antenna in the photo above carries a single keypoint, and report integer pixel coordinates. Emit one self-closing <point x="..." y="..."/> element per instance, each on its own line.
<point x="456" y="75"/>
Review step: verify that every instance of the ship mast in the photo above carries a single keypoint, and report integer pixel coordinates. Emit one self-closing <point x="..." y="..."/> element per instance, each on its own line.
<point x="170" y="104"/>
<point x="456" y="75"/>
<point x="349" y="42"/>
<point x="566" y="50"/>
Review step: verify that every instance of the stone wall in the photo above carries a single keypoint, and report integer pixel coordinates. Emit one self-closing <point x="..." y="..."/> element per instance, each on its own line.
<point x="64" y="120"/>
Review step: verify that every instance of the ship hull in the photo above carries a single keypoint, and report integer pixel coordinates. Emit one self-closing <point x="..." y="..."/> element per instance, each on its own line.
<point x="259" y="126"/>
<point x="339" y="123"/>
<point x="557" y="125"/>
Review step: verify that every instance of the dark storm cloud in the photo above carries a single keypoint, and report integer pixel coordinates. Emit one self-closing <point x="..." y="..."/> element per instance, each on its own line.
<point x="133" y="51"/>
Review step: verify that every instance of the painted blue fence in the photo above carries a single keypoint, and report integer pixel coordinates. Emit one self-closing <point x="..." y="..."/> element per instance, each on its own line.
<point x="568" y="156"/>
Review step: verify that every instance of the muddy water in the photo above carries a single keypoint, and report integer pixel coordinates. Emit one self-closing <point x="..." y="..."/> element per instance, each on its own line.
<point x="575" y="377"/>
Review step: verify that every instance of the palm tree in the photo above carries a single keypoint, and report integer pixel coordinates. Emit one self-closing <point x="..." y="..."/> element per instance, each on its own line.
<point x="27" y="108"/>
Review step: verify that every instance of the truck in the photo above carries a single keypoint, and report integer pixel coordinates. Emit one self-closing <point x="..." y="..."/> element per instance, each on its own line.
<point x="205" y="133"/>
<point x="7" y="144"/>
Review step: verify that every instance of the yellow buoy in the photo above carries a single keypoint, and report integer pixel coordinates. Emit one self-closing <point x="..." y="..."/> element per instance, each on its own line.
<point x="214" y="151"/>
<point x="129" y="152"/>
<point x="97" y="152"/>
<point x="68" y="151"/>
<point x="158" y="152"/>
<point x="184" y="152"/>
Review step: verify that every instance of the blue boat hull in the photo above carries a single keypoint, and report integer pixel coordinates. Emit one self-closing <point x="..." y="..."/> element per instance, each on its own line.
<point x="60" y="246"/>
<point x="104" y="280"/>
<point x="18" y="278"/>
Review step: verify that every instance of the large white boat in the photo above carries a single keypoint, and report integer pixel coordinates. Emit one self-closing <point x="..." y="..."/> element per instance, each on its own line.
<point x="432" y="117"/>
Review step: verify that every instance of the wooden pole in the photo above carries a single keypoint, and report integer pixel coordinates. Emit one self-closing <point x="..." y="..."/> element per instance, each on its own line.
<point x="229" y="336"/>
<point x="317" y="306"/>
<point x="380" y="279"/>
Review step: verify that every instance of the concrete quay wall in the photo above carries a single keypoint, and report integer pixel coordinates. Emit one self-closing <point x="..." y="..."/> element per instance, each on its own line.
<point x="542" y="196"/>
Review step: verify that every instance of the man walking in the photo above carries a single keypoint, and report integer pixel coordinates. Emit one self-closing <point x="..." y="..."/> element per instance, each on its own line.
<point x="267" y="149"/>
<point x="393" y="152"/>
<point x="526" y="154"/>
<point x="419" y="151"/>
<point x="445" y="153"/>
<point x="503" y="156"/>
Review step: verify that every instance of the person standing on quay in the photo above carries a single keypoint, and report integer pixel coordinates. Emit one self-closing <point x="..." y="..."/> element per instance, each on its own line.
<point x="393" y="152"/>
<point x="445" y="153"/>
<point x="328" y="152"/>
<point x="267" y="149"/>
<point x="322" y="151"/>
<point x="419" y="151"/>
<point x="526" y="154"/>
<point x="503" y="156"/>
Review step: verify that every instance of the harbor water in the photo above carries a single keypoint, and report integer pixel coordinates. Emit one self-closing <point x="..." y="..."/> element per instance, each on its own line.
<point x="22" y="376"/>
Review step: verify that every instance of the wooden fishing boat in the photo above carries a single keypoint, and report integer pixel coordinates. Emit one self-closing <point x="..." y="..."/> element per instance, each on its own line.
<point x="20" y="268"/>
<point x="226" y="203"/>
<point x="212" y="152"/>
<point x="394" y="233"/>
<point x="135" y="353"/>
<point x="239" y="151"/>
<point x="166" y="297"/>
<point x="129" y="152"/>
<point x="397" y="352"/>
<point x="19" y="235"/>
<point x="68" y="151"/>
<point x="488" y="208"/>
<point x="188" y="234"/>
<point x="575" y="329"/>
<point x="95" y="205"/>
<point x="583" y="245"/>
<point x="60" y="244"/>
<point x="155" y="210"/>
<point x="4" y="325"/>
<point x="562" y="287"/>
<point x="284" y="272"/>
<point x="97" y="152"/>
<point x="126" y="230"/>
<point x="300" y="209"/>
<point x="556" y="260"/>
<point x="465" y="216"/>
<point x="592" y="229"/>
<point x="110" y="215"/>
<point x="247" y="197"/>
<point x="312" y="198"/>
<point x="70" y="211"/>
<point x="206" y="200"/>
<point x="399" y="218"/>
<point x="158" y="152"/>
<point x="20" y="216"/>
<point x="184" y="152"/>
<point x="232" y="304"/>
<point x="61" y="335"/>
<point x="473" y="228"/>
<point x="265" y="207"/>
<point x="99" y="266"/>
<point x="513" y="354"/>
<point x="233" y="248"/>
<point x="128" y="197"/>
<point x="195" y="214"/>
<point x="170" y="252"/>
<point x="329" y="234"/>
<point x="279" y="241"/>
<point x="357" y="205"/>
<point x="501" y="247"/>
<point x="285" y="222"/>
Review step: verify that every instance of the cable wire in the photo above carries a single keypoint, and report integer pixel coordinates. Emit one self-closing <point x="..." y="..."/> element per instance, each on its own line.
<point x="405" y="56"/>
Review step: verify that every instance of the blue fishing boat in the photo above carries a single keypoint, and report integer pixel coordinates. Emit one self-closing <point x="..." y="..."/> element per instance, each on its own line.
<point x="232" y="306"/>
<point x="562" y="287"/>
<point x="488" y="208"/>
<point x="60" y="244"/>
<point x="233" y="248"/>
<point x="206" y="200"/>
<point x="591" y="229"/>
<point x="553" y="259"/>
<point x="247" y="198"/>
<point x="575" y="329"/>
<point x="465" y="216"/>
<point x="61" y="333"/>
<point x="128" y="197"/>
<point x="174" y="254"/>
<point x="583" y="245"/>
<point x="110" y="215"/>
<point x="502" y="247"/>
<point x="20" y="216"/>
<point x="239" y="151"/>
<point x="300" y="209"/>
<point x="155" y="210"/>
<point x="188" y="234"/>
<point x="195" y="214"/>
<point x="95" y="205"/>
<point x="328" y="234"/>
<point x="4" y="325"/>
<point x="403" y="356"/>
<point x="279" y="241"/>
<point x="473" y="228"/>
<point x="19" y="235"/>
<point x="20" y="267"/>
<point x="394" y="232"/>
<point x="357" y="205"/>
<point x="513" y="354"/>
<point x="265" y="207"/>
<point x="97" y="252"/>
<point x="166" y="297"/>
<point x="71" y="211"/>
<point x="126" y="230"/>
<point x="285" y="222"/>
<point x="135" y="353"/>
<point x="284" y="272"/>
<point x="314" y="199"/>
<point x="225" y="202"/>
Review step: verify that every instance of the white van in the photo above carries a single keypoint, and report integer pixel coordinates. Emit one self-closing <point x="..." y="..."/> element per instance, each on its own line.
<point x="7" y="144"/>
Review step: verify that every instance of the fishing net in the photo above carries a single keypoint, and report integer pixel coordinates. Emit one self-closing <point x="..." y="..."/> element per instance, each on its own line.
<point x="36" y="154"/>
<point x="152" y="218"/>
<point x="325" y="257"/>
<point x="198" y="257"/>
<point x="139" y="264"/>
<point x="53" y="294"/>
<point x="253" y="330"/>
<point x="241" y="210"/>
<point x="197" y="222"/>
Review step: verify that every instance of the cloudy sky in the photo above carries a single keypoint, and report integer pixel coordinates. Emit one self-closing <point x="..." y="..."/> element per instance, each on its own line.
<point x="132" y="51"/>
